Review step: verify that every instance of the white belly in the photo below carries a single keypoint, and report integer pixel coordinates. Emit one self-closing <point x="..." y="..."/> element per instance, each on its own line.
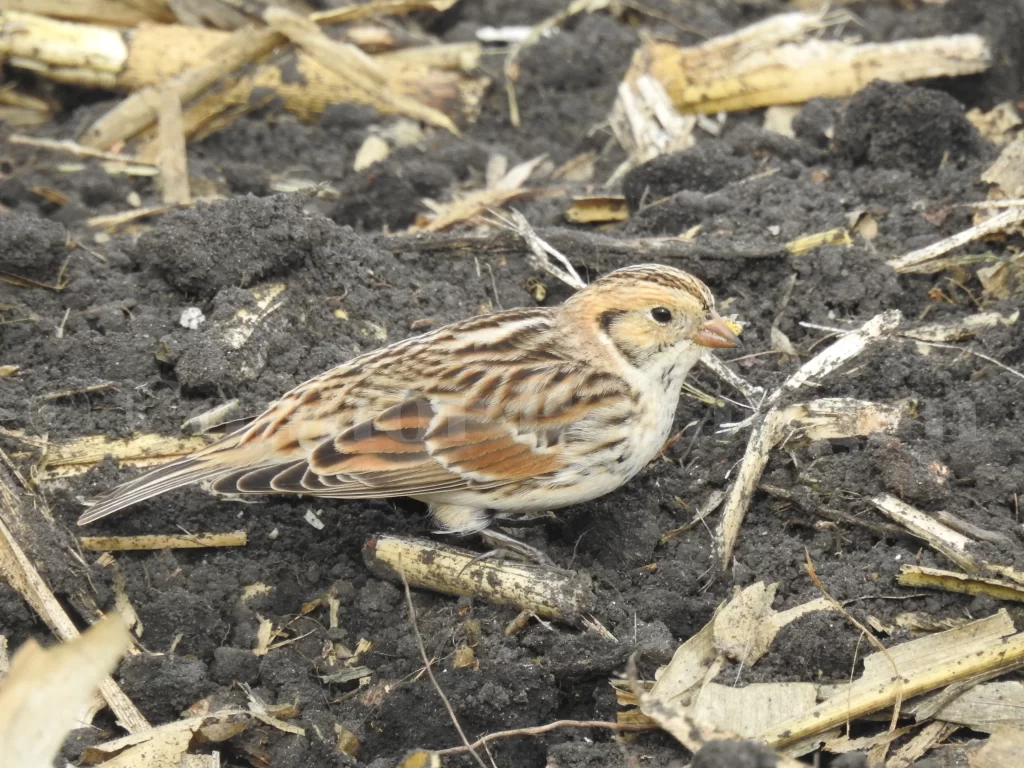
<point x="591" y="474"/>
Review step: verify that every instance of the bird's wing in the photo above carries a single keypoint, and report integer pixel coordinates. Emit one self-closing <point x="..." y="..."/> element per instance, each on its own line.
<point x="420" y="446"/>
<point x="492" y="403"/>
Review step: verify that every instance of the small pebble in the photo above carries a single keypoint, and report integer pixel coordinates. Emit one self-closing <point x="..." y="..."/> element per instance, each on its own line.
<point x="311" y="518"/>
<point x="192" y="318"/>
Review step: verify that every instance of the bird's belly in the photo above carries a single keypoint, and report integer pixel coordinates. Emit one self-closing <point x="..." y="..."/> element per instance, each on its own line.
<point x="538" y="496"/>
<point x="621" y="454"/>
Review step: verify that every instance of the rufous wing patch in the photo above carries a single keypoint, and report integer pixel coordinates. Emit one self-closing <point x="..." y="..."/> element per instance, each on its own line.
<point x="416" y="447"/>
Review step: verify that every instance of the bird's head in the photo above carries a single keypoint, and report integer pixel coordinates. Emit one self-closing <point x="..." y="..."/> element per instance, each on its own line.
<point x="651" y="313"/>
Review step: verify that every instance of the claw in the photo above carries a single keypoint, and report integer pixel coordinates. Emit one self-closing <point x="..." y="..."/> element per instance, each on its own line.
<point x="506" y="546"/>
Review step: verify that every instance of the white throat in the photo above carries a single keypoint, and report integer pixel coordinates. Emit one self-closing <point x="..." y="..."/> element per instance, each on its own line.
<point x="665" y="374"/>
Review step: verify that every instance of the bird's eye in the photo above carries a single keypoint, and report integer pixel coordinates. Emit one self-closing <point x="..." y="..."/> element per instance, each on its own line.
<point x="661" y="315"/>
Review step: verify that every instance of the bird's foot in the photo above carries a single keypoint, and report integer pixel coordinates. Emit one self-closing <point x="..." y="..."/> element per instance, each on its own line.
<point x="507" y="546"/>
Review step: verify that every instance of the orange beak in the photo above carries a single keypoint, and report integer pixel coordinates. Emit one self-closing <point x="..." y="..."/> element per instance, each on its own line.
<point x="716" y="333"/>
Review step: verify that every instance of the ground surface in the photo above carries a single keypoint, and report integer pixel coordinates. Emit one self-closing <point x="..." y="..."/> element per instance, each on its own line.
<point x="906" y="155"/>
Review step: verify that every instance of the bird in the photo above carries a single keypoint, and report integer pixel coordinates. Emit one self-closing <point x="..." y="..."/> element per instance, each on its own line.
<point x="519" y="411"/>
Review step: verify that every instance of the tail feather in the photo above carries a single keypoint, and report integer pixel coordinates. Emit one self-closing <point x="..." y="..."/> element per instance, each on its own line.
<point x="166" y="478"/>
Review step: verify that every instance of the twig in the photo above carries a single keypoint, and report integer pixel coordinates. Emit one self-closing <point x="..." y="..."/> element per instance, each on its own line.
<point x="51" y="396"/>
<point x="542" y="251"/>
<point x="163" y="541"/>
<point x="952" y="544"/>
<point x="768" y="427"/>
<point x="983" y="356"/>
<point x="218" y="416"/>
<point x="380" y="8"/>
<point x="430" y="672"/>
<point x="916" y="261"/>
<point x="73" y="148"/>
<point x="536" y="33"/>
<point x="1017" y="202"/>
<point x="348" y="62"/>
<point x="112" y="222"/>
<point x="537" y="730"/>
<point x="897" y="676"/>
<point x="718" y="367"/>
<point x="172" y="157"/>
<point x="577" y="245"/>
<point x="834" y="515"/>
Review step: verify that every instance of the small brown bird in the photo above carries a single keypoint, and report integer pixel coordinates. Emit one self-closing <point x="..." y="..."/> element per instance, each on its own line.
<point x="520" y="411"/>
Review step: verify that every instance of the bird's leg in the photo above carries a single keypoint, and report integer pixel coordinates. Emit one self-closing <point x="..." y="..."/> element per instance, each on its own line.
<point x="505" y="545"/>
<point x="466" y="520"/>
<point x="523" y="519"/>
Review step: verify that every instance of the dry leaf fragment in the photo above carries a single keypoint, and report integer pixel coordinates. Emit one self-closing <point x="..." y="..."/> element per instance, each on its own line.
<point x="264" y="635"/>
<point x="985" y="708"/>
<point x="465" y="657"/>
<point x="754" y="708"/>
<point x="471" y="205"/>
<point x="689" y="665"/>
<point x="743" y="628"/>
<point x="738" y="627"/>
<point x="1003" y="749"/>
<point x="917" y="622"/>
<point x="985" y="647"/>
<point x="165" y="742"/>
<point x="781" y="343"/>
<point x="266" y="715"/>
<point x="373" y="150"/>
<point x="998" y="125"/>
<point x="963" y="328"/>
<point x="348" y="742"/>
<point x="692" y="732"/>
<point x="779" y="119"/>
<point x="843" y="744"/>
<point x="346" y="675"/>
<point x="1007" y="172"/>
<point x="597" y="210"/>
<point x="995" y="279"/>
<point x="951" y="581"/>
<point x="164" y="748"/>
<point x="420" y="759"/>
<point x="805" y="243"/>
<point x="46" y="690"/>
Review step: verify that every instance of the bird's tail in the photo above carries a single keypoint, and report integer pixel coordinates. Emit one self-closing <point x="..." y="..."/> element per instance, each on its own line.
<point x="179" y="473"/>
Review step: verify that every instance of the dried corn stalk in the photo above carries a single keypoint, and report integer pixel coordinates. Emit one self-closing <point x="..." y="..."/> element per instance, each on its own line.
<point x="775" y="62"/>
<point x="191" y="60"/>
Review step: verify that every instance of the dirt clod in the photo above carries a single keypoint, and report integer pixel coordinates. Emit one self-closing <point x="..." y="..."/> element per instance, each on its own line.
<point x="900" y="126"/>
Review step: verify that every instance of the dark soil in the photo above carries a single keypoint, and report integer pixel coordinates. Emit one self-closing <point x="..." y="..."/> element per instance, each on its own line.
<point x="904" y="154"/>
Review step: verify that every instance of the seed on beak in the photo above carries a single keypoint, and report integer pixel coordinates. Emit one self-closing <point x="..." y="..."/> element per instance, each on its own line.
<point x="716" y="333"/>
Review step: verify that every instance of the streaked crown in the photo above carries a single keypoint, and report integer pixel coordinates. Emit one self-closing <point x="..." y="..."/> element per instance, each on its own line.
<point x="659" y="275"/>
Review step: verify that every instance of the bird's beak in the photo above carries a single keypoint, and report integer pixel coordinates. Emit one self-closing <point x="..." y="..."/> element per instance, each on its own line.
<point x="716" y="333"/>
